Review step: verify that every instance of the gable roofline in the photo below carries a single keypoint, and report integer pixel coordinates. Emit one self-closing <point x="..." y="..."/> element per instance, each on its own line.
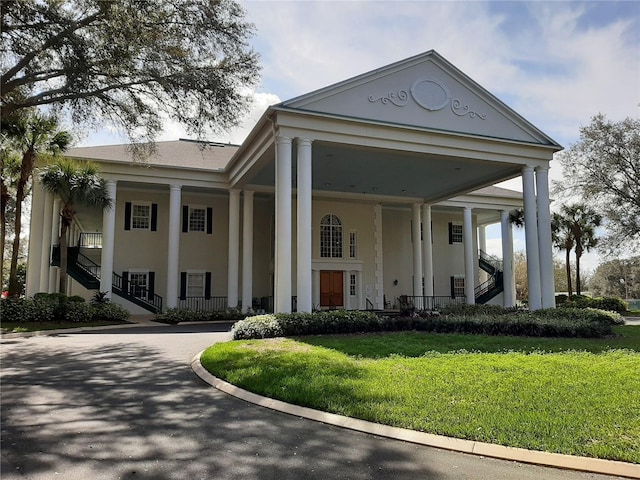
<point x="298" y="103"/>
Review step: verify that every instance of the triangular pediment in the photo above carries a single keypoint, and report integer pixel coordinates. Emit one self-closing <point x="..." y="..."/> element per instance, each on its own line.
<point x="424" y="91"/>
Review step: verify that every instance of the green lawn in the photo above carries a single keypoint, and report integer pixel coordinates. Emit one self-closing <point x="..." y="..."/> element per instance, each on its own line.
<point x="17" y="327"/>
<point x="574" y="396"/>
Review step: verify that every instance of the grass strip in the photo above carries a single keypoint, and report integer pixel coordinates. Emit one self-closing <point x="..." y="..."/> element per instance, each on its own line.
<point x="572" y="396"/>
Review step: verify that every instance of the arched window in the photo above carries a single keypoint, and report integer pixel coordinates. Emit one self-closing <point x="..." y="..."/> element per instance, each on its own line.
<point x="331" y="237"/>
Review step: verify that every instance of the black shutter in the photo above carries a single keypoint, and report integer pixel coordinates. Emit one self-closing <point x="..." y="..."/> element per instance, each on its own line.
<point x="450" y="234"/>
<point x="151" y="285"/>
<point x="125" y="282"/>
<point x="183" y="285"/>
<point x="209" y="220"/>
<point x="154" y="217"/>
<point x="185" y="218"/>
<point x="127" y="216"/>
<point x="207" y="285"/>
<point x="453" y="287"/>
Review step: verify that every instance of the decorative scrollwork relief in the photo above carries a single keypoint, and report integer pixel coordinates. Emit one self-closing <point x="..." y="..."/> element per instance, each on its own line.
<point x="399" y="100"/>
<point x="430" y="95"/>
<point x="462" y="110"/>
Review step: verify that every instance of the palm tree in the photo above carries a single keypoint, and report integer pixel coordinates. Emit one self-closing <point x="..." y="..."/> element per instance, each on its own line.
<point x="31" y="136"/>
<point x="562" y="237"/>
<point x="76" y="183"/>
<point x="583" y="224"/>
<point x="574" y="228"/>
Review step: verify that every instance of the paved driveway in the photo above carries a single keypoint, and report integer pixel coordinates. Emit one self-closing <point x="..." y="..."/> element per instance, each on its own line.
<point x="124" y="404"/>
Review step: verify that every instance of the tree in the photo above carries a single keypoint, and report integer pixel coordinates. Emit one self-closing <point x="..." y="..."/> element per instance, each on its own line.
<point x="603" y="168"/>
<point x="520" y="276"/>
<point x="580" y="222"/>
<point x="9" y="173"/>
<point x="76" y="184"/>
<point x="30" y="135"/>
<point x="132" y="63"/>
<point x="562" y="237"/>
<point x="617" y="278"/>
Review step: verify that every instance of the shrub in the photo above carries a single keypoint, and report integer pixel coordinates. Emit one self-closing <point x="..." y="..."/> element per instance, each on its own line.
<point x="476" y="309"/>
<point x="566" y="322"/>
<point x="259" y="326"/>
<point x="613" y="304"/>
<point x="109" y="312"/>
<point x="27" y="310"/>
<point x="178" y="315"/>
<point x="76" y="312"/>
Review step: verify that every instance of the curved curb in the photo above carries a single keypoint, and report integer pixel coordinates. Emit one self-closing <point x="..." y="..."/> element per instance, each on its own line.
<point x="570" y="462"/>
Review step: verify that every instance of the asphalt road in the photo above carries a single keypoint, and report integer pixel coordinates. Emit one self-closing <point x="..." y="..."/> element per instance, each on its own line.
<point x="124" y="404"/>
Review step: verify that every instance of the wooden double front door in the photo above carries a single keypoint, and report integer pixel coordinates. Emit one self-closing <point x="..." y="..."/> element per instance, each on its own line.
<point x="331" y="288"/>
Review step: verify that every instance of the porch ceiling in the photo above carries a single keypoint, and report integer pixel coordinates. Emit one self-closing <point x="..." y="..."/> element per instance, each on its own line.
<point x="375" y="171"/>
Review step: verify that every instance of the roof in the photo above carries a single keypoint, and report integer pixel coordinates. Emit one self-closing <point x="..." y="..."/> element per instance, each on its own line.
<point x="494" y="191"/>
<point x="179" y="153"/>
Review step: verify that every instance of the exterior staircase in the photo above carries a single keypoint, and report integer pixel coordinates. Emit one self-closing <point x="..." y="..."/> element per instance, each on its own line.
<point x="87" y="273"/>
<point x="495" y="284"/>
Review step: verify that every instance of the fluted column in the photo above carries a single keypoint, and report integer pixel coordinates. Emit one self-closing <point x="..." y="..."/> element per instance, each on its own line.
<point x="45" y="251"/>
<point x="173" y="253"/>
<point x="545" y="247"/>
<point x="247" y="251"/>
<point x="108" y="240"/>
<point x="234" y="248"/>
<point x="282" y="303"/>
<point x="427" y="250"/>
<point x="508" y="278"/>
<point x="304" y="283"/>
<point x="36" y="233"/>
<point x="379" y="256"/>
<point x="531" y="238"/>
<point x="417" y="253"/>
<point x="469" y="270"/>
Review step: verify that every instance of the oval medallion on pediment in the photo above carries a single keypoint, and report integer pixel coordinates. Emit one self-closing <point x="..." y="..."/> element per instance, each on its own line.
<point x="430" y="95"/>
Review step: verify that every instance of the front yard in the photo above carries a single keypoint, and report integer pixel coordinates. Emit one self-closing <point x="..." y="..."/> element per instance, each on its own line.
<point x="566" y="395"/>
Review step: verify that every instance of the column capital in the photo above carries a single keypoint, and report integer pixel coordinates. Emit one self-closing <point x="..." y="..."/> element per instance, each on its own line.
<point x="283" y="140"/>
<point x="304" y="141"/>
<point x="542" y="168"/>
<point x="527" y="168"/>
<point x="174" y="187"/>
<point x="234" y="192"/>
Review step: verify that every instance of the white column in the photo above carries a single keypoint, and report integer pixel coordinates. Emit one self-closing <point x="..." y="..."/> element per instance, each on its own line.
<point x="379" y="262"/>
<point x="108" y="240"/>
<point x="234" y="248"/>
<point x="316" y="288"/>
<point x="282" y="300"/>
<point x="54" y="277"/>
<point x="173" y="254"/>
<point x="360" y="302"/>
<point x="304" y="284"/>
<point x="531" y="238"/>
<point x="545" y="248"/>
<point x="247" y="251"/>
<point x="469" y="270"/>
<point x="45" y="252"/>
<point x="427" y="250"/>
<point x="508" y="278"/>
<point x="36" y="234"/>
<point x="482" y="245"/>
<point x="417" y="254"/>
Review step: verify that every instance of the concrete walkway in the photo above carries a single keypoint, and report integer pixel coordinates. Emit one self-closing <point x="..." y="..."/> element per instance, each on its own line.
<point x="123" y="403"/>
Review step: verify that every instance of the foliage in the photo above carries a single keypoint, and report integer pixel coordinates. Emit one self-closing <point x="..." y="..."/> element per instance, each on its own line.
<point x="612" y="304"/>
<point x="603" y="168"/>
<point x="179" y="315"/>
<point x="57" y="307"/>
<point x="77" y="184"/>
<point x="485" y="320"/>
<point x="521" y="392"/>
<point x="617" y="278"/>
<point x="100" y="298"/>
<point x="131" y="63"/>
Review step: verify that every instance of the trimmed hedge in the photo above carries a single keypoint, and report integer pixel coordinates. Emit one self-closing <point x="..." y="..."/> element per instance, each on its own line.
<point x="613" y="304"/>
<point x="566" y="322"/>
<point x="57" y="307"/>
<point x="178" y="315"/>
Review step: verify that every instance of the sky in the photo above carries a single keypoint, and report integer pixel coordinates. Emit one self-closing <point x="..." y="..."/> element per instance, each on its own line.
<point x="556" y="63"/>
